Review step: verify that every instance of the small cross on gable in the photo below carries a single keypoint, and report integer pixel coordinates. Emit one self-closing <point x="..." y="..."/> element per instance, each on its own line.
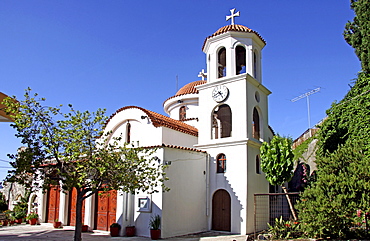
<point x="202" y="74"/>
<point x="232" y="16"/>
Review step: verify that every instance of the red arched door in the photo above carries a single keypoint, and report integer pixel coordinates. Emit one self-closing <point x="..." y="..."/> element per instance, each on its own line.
<point x="106" y="205"/>
<point x="52" y="207"/>
<point x="72" y="208"/>
<point x="221" y="211"/>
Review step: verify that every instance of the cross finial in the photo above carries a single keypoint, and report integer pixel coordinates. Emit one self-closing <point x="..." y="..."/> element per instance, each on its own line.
<point x="202" y="74"/>
<point x="232" y="16"/>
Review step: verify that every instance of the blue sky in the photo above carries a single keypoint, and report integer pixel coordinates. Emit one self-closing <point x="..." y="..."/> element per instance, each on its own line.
<point x="110" y="54"/>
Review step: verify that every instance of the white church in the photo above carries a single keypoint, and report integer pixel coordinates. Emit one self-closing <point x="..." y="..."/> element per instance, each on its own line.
<point x="210" y="141"/>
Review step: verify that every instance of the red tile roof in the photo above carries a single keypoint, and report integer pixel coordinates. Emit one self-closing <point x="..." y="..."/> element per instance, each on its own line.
<point x="176" y="147"/>
<point x="235" y="28"/>
<point x="188" y="89"/>
<point x="161" y="120"/>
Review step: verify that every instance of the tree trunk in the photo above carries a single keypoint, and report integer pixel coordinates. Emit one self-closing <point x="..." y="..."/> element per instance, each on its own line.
<point x="78" y="227"/>
<point x="290" y="203"/>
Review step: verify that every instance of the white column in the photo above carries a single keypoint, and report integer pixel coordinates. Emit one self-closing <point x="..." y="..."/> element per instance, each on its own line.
<point x="212" y="70"/>
<point x="120" y="211"/>
<point x="89" y="212"/>
<point x="230" y="61"/>
<point x="249" y="59"/>
<point x="63" y="204"/>
<point x="42" y="201"/>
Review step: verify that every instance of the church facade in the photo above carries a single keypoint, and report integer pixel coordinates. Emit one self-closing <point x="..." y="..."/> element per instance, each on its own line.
<point x="210" y="141"/>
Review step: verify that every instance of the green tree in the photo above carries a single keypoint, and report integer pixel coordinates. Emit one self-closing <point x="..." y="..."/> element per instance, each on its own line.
<point x="356" y="33"/>
<point x="277" y="162"/>
<point x="72" y="150"/>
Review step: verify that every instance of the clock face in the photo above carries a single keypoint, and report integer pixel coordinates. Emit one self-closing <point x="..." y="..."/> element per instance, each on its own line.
<point x="220" y="93"/>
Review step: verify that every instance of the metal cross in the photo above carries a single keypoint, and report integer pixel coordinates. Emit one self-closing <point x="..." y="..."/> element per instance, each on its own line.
<point x="232" y="16"/>
<point x="202" y="74"/>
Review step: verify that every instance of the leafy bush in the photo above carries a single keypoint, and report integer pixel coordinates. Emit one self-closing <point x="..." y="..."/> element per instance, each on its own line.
<point x="328" y="207"/>
<point x="32" y="216"/>
<point x="3" y="203"/>
<point x="19" y="215"/>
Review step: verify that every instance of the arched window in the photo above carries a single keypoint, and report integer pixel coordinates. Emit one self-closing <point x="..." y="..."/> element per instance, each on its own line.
<point x="221" y="122"/>
<point x="240" y="60"/>
<point x="258" y="165"/>
<point x="128" y="132"/>
<point x="255" y="65"/>
<point x="221" y="62"/>
<point x="256" y="124"/>
<point x="221" y="163"/>
<point x="182" y="113"/>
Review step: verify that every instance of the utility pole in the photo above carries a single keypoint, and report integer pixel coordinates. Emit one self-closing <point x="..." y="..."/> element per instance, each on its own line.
<point x="307" y="94"/>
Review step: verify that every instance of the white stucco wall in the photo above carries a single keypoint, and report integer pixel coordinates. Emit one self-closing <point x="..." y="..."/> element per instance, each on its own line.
<point x="12" y="193"/>
<point x="142" y="130"/>
<point x="256" y="184"/>
<point x="234" y="181"/>
<point x="172" y="106"/>
<point x="184" y="206"/>
<point x="172" y="137"/>
<point x="141" y="218"/>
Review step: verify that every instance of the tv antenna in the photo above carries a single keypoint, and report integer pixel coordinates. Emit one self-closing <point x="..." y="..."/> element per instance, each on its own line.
<point x="307" y="94"/>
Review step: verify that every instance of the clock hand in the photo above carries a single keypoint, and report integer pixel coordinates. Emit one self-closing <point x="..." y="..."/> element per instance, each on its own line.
<point x="220" y="93"/>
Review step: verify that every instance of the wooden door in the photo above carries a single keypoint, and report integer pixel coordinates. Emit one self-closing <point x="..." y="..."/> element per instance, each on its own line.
<point x="72" y="208"/>
<point x="52" y="207"/>
<point x="106" y="205"/>
<point x="221" y="211"/>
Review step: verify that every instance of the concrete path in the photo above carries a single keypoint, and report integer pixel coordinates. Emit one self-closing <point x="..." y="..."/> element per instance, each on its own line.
<point x="45" y="231"/>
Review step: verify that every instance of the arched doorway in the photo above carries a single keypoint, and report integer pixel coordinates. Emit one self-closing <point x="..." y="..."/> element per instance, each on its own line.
<point x="221" y="211"/>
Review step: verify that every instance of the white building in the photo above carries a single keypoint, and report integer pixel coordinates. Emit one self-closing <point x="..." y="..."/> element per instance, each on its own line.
<point x="210" y="141"/>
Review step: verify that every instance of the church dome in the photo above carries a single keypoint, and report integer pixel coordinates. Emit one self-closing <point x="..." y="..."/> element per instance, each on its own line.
<point x="184" y="104"/>
<point x="189" y="88"/>
<point x="233" y="28"/>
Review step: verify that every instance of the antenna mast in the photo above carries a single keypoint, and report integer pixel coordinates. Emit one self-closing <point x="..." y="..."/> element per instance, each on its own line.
<point x="308" y="102"/>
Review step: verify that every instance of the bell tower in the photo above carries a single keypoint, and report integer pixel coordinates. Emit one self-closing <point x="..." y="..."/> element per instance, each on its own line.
<point x="233" y="50"/>
<point x="233" y="122"/>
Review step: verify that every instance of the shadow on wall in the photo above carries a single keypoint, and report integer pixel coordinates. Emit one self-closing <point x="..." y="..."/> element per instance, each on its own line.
<point x="226" y="208"/>
<point x="142" y="221"/>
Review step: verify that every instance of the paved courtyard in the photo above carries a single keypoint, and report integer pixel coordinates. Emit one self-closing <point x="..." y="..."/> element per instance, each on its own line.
<point x="46" y="231"/>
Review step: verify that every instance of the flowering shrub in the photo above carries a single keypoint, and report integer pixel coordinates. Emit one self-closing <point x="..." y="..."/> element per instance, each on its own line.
<point x="305" y="174"/>
<point x="284" y="229"/>
<point x="360" y="227"/>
